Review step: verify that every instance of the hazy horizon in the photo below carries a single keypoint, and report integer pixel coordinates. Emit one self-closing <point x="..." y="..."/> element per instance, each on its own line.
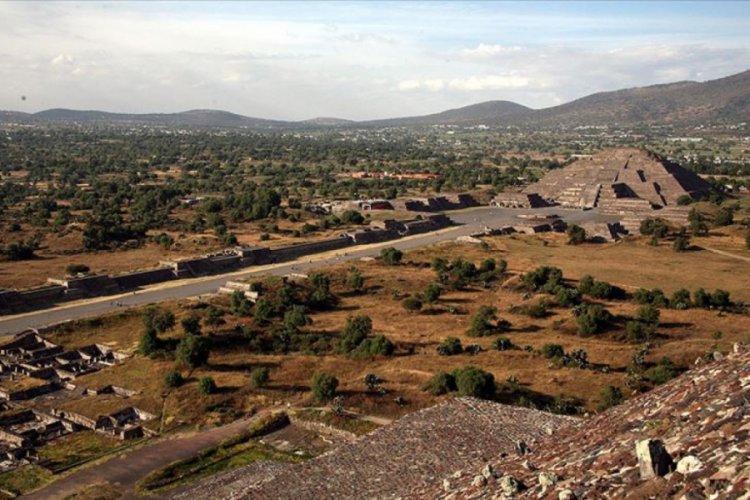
<point x="358" y="60"/>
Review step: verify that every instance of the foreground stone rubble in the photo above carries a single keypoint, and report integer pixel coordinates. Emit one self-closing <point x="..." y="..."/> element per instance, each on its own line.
<point x="686" y="439"/>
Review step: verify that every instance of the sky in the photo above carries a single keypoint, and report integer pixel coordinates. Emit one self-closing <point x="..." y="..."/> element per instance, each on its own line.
<point x="356" y="60"/>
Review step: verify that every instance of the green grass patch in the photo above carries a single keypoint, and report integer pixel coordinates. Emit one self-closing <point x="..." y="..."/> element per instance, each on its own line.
<point x="77" y="447"/>
<point x="24" y="479"/>
<point x="345" y="423"/>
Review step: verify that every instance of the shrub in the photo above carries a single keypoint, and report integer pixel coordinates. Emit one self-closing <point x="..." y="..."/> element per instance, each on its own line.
<point x="654" y="297"/>
<point x="354" y="279"/>
<point x="239" y="305"/>
<point x="544" y="279"/>
<point x="681" y="243"/>
<point x="193" y="351"/>
<point x="263" y="311"/>
<point x="191" y="325"/>
<point x="536" y="310"/>
<point x="654" y="227"/>
<point x="649" y="315"/>
<point x="173" y="379"/>
<point x="321" y="295"/>
<point x="576" y="235"/>
<point x="481" y="323"/>
<point x="440" y="383"/>
<point x="149" y="342"/>
<point x="372" y="381"/>
<point x="680" y="299"/>
<point x="662" y="372"/>
<point x="720" y="298"/>
<point x="391" y="256"/>
<point x="474" y="382"/>
<point x="351" y="217"/>
<point x="207" y="385"/>
<point x="294" y="318"/>
<point x="551" y="351"/>
<point x="73" y="269"/>
<point x="323" y="386"/>
<point x="586" y="284"/>
<point x="411" y="304"/>
<point x="592" y="319"/>
<point x="379" y="345"/>
<point x="356" y="330"/>
<point x="432" y="293"/>
<point x="724" y="217"/>
<point x="684" y="200"/>
<point x="610" y="396"/>
<point x="158" y="319"/>
<point x="566" y="297"/>
<point x="503" y="344"/>
<point x="638" y="332"/>
<point x="450" y="346"/>
<point x="260" y="377"/>
<point x="701" y="299"/>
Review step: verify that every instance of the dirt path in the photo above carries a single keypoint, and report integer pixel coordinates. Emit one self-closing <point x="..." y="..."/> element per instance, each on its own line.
<point x="726" y="254"/>
<point x="126" y="469"/>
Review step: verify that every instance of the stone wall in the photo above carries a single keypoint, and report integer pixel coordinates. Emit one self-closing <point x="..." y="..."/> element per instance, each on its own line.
<point x="142" y="278"/>
<point x="231" y="258"/>
<point x="283" y="254"/>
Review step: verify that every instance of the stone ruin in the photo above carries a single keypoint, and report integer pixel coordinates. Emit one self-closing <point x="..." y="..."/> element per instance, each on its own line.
<point x="37" y="381"/>
<point x="634" y="183"/>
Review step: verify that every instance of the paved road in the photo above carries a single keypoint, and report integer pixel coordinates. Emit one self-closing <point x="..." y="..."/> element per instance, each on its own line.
<point x="127" y="468"/>
<point x="469" y="221"/>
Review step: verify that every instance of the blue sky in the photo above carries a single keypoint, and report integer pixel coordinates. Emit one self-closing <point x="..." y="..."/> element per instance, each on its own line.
<point x="358" y="60"/>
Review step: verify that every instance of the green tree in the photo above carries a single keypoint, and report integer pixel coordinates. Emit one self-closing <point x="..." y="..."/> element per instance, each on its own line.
<point x="432" y="293"/>
<point x="262" y="311"/>
<point x="649" y="314"/>
<point x="482" y="323"/>
<point x="411" y="304"/>
<point x="321" y="295"/>
<point x="610" y="396"/>
<point x="260" y="377"/>
<point x="294" y="318"/>
<point x="207" y="385"/>
<point x="356" y="330"/>
<point x="323" y="386"/>
<point x="474" y="382"/>
<point x="149" y="342"/>
<point x="724" y="217"/>
<point x="191" y="325"/>
<point x="354" y="279"/>
<point x="391" y="256"/>
<point x="681" y="243"/>
<point x="576" y="235"/>
<point x="551" y="351"/>
<point x="193" y="351"/>
<point x="238" y="304"/>
<point x="173" y="379"/>
<point x="440" y="383"/>
<point x="450" y="346"/>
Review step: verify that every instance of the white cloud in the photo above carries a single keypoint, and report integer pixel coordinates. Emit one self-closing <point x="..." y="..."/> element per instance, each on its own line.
<point x="354" y="60"/>
<point x="485" y="50"/>
<point x="490" y="82"/>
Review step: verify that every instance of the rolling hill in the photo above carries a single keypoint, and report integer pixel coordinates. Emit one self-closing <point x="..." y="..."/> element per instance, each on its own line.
<point x="682" y="103"/>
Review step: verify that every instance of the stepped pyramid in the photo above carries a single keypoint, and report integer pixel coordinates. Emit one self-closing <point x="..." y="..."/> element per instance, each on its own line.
<point x="625" y="181"/>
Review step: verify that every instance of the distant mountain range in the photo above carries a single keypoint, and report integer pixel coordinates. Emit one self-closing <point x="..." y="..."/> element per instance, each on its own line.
<point x="682" y="103"/>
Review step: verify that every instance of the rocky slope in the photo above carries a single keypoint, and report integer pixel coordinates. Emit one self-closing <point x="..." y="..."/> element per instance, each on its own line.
<point x="687" y="439"/>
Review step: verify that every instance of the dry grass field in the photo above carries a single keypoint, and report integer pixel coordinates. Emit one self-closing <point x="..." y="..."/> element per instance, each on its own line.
<point x="683" y="336"/>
